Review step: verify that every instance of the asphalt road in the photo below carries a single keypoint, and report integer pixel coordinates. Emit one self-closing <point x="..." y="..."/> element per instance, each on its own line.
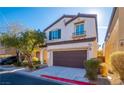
<point x="19" y="79"/>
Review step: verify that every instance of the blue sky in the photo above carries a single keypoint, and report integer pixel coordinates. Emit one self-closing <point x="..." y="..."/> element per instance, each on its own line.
<point x="41" y="17"/>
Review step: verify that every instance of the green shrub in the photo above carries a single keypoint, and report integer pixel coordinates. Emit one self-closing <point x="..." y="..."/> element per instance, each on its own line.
<point x="92" y="67"/>
<point x="117" y="61"/>
<point x="36" y="61"/>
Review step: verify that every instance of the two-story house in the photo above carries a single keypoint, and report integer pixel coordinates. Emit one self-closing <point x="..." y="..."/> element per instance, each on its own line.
<point x="71" y="40"/>
<point x="114" y="40"/>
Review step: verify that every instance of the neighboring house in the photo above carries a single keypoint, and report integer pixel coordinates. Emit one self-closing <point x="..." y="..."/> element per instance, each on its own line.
<point x="5" y="51"/>
<point x="71" y="40"/>
<point x="41" y="54"/>
<point x="114" y="40"/>
<point x="2" y="51"/>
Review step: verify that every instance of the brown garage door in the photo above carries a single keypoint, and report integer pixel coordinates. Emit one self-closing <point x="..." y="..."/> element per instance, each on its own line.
<point x="70" y="58"/>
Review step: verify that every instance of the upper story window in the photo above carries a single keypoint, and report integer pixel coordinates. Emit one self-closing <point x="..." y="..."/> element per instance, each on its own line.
<point x="79" y="29"/>
<point x="56" y="34"/>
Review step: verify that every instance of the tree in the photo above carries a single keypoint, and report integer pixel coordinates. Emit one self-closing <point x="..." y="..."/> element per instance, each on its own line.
<point x="29" y="40"/>
<point x="24" y="42"/>
<point x="9" y="37"/>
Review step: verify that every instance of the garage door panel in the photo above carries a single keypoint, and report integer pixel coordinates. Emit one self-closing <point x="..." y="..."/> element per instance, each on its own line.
<point x="70" y="58"/>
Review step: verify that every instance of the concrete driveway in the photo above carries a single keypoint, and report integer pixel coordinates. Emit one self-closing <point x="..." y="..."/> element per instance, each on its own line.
<point x="62" y="72"/>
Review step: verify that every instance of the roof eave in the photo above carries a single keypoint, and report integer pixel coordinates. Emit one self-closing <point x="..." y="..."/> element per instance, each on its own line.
<point x="67" y="16"/>
<point x="82" y="15"/>
<point x="110" y="22"/>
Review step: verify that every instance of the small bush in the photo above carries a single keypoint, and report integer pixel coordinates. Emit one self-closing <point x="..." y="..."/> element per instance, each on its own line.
<point x="92" y="67"/>
<point x="117" y="61"/>
<point x="35" y="59"/>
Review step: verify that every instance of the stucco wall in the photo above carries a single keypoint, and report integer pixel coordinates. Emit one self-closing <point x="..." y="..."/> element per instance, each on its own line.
<point x="121" y="27"/>
<point x="89" y="27"/>
<point x="112" y="43"/>
<point x="45" y="56"/>
<point x="117" y="34"/>
<point x="58" y="25"/>
<point x="89" y="46"/>
<point x="66" y="31"/>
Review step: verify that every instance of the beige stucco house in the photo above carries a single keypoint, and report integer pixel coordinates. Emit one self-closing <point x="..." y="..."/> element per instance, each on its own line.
<point x="71" y="40"/>
<point x="114" y="40"/>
